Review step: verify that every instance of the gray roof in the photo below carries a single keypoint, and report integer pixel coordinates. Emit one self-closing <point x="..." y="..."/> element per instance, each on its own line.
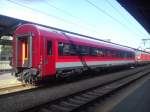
<point x="140" y="10"/>
<point x="8" y="25"/>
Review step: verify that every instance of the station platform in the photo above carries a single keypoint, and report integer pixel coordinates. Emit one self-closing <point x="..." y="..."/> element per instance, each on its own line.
<point x="138" y="101"/>
<point x="7" y="80"/>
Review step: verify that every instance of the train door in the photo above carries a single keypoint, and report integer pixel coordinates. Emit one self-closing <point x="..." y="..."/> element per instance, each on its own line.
<point x="24" y="51"/>
<point x="49" y="57"/>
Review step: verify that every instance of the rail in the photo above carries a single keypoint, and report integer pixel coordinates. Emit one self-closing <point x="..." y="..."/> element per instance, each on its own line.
<point x="70" y="96"/>
<point x="80" y="101"/>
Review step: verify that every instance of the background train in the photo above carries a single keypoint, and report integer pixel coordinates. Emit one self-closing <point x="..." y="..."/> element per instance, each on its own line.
<point x="40" y="52"/>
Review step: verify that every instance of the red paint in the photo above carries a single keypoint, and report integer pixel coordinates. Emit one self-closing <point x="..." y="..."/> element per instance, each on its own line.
<point x="39" y="43"/>
<point x="143" y="56"/>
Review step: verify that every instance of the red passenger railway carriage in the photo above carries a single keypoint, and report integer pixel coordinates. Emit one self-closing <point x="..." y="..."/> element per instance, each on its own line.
<point x="142" y="57"/>
<point x="41" y="52"/>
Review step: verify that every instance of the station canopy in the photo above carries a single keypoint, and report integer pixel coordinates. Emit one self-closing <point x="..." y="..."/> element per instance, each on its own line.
<point x="8" y="25"/>
<point x="140" y="10"/>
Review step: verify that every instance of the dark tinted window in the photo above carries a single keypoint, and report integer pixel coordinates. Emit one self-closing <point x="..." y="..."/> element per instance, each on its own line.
<point x="60" y="48"/>
<point x="93" y="51"/>
<point x="84" y="50"/>
<point x="65" y="49"/>
<point x="73" y="49"/>
<point x="49" y="48"/>
<point x="97" y="52"/>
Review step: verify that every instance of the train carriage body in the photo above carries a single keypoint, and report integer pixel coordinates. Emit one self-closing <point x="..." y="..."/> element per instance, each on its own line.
<point x="142" y="57"/>
<point x="40" y="52"/>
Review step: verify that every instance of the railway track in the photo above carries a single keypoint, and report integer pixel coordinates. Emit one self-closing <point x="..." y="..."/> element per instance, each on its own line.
<point x="73" y="96"/>
<point x="81" y="100"/>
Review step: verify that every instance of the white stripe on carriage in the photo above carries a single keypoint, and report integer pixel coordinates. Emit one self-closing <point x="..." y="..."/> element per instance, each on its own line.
<point x="91" y="63"/>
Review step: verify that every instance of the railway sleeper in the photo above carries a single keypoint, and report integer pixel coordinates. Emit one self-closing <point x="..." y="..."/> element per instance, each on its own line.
<point x="88" y="96"/>
<point x="76" y="101"/>
<point x="100" y="91"/>
<point x="58" y="108"/>
<point x="45" y="110"/>
<point x="81" y="98"/>
<point x="68" y="104"/>
<point x="93" y="93"/>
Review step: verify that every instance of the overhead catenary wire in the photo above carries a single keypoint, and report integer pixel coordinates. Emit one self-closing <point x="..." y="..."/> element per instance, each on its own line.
<point x="66" y="21"/>
<point x="48" y="14"/>
<point x="68" y="13"/>
<point x="61" y="10"/>
<point x="66" y="30"/>
<point x="110" y="16"/>
<point x="69" y="32"/>
<point x="36" y="10"/>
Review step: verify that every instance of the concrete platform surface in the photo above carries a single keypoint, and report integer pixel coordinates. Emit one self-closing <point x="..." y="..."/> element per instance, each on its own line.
<point x="138" y="101"/>
<point x="7" y="80"/>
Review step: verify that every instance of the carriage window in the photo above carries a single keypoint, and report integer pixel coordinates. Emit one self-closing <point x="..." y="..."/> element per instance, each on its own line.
<point x="66" y="50"/>
<point x="130" y="55"/>
<point x="73" y="50"/>
<point x="84" y="50"/>
<point x="63" y="49"/>
<point x="93" y="51"/>
<point x="49" y="47"/>
<point x="100" y="52"/>
<point x="60" y="48"/>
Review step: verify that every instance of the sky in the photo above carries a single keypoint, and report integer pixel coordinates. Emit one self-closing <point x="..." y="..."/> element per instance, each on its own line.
<point x="103" y="19"/>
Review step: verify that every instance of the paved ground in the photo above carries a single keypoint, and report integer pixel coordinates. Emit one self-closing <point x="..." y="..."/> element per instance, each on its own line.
<point x="6" y="80"/>
<point x="5" y="75"/>
<point x="138" y="101"/>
